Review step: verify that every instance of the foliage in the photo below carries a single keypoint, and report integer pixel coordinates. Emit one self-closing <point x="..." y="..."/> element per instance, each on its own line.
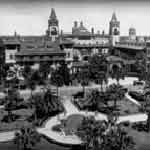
<point x="140" y="65"/>
<point x="83" y="77"/>
<point x="11" y="101"/>
<point x="91" y="132"/>
<point x="26" y="71"/>
<point x="45" y="69"/>
<point x="118" y="73"/>
<point x="46" y="105"/>
<point x="100" y="135"/>
<point x="57" y="79"/>
<point x="98" y="67"/>
<point x="63" y="71"/>
<point x="115" y="93"/>
<point x="26" y="138"/>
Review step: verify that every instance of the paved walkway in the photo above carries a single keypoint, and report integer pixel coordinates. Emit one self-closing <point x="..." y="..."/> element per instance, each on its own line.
<point x="132" y="99"/>
<point x="71" y="109"/>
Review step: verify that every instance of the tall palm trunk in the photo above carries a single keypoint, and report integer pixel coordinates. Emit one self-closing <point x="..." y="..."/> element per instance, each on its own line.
<point x="57" y="91"/>
<point x="9" y="115"/>
<point x="115" y="103"/>
<point x="101" y="87"/>
<point x="83" y="88"/>
<point x="31" y="93"/>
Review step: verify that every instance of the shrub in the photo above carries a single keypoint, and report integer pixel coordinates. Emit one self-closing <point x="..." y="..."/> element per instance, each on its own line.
<point x="57" y="128"/>
<point x="12" y="118"/>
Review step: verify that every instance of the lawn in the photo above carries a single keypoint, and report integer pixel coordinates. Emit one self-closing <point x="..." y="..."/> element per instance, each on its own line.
<point x="71" y="124"/>
<point x="125" y="107"/>
<point x="142" y="139"/>
<point x="23" y="113"/>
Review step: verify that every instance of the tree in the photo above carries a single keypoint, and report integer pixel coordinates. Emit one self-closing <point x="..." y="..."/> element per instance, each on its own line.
<point x="115" y="93"/>
<point x="146" y="107"/>
<point x="140" y="65"/>
<point x="95" y="100"/>
<point x="98" y="68"/>
<point x="45" y="105"/>
<point x="98" y="135"/>
<point x="26" y="138"/>
<point x="26" y="71"/>
<point x="118" y="73"/>
<point x="83" y="77"/>
<point x="57" y="80"/>
<point x="45" y="69"/>
<point x="118" y="139"/>
<point x="11" y="102"/>
<point x="32" y="80"/>
<point x="91" y="133"/>
<point x="63" y="71"/>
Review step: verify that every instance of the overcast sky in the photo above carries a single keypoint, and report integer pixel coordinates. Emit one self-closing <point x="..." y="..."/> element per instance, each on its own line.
<point x="29" y="17"/>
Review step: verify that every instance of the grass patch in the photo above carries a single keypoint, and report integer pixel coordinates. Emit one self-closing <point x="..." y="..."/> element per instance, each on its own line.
<point x="21" y="121"/>
<point x="70" y="125"/>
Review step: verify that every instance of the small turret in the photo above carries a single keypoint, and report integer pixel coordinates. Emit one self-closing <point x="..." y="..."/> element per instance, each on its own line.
<point x="53" y="26"/>
<point x="114" y="29"/>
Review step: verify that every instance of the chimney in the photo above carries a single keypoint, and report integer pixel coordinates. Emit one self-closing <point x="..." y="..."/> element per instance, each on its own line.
<point x="92" y="30"/>
<point x="75" y="24"/>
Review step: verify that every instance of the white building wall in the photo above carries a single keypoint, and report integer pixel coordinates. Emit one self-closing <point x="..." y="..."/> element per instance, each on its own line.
<point x="10" y="55"/>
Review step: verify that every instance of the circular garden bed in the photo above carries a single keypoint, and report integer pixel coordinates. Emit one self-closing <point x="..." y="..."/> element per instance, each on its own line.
<point x="70" y="125"/>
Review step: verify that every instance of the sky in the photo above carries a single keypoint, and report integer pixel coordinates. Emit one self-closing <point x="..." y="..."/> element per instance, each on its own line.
<point x="30" y="17"/>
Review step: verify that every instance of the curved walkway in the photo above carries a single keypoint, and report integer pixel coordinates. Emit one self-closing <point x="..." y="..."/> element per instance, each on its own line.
<point x="71" y="109"/>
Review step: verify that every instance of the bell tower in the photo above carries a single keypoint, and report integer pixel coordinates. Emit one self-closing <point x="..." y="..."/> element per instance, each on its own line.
<point x="53" y="26"/>
<point x="114" y="29"/>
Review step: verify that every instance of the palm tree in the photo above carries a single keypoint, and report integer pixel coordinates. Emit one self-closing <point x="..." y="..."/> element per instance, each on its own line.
<point x="26" y="71"/>
<point x="57" y="80"/>
<point x="45" y="69"/>
<point x="91" y="132"/>
<point x="64" y="71"/>
<point x="118" y="73"/>
<point x="98" y="135"/>
<point x="140" y="65"/>
<point x="95" y="100"/>
<point x="11" y="101"/>
<point x="147" y="110"/>
<point x="118" y="139"/>
<point x="31" y="82"/>
<point x="26" y="138"/>
<point x="98" y="68"/>
<point x="83" y="77"/>
<point x="115" y="93"/>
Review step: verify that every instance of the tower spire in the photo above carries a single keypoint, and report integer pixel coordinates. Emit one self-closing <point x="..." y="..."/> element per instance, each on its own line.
<point x="114" y="18"/>
<point x="53" y="14"/>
